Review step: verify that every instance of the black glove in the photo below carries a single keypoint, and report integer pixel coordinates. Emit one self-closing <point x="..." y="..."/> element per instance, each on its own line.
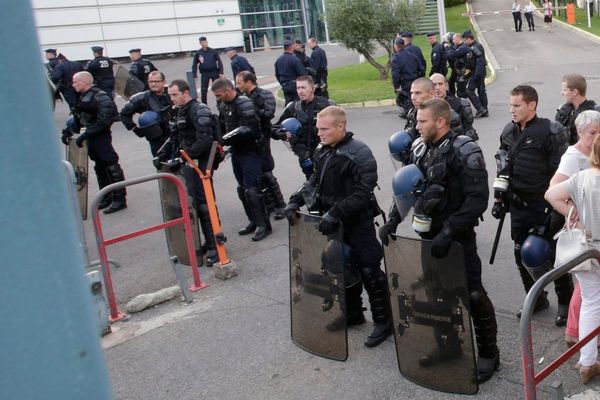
<point x="66" y="134"/>
<point x="552" y="225"/>
<point x="79" y="141"/>
<point x="279" y="134"/>
<point x="329" y="224"/>
<point x="386" y="231"/>
<point x="441" y="244"/>
<point x="138" y="131"/>
<point x="498" y="210"/>
<point x="290" y="212"/>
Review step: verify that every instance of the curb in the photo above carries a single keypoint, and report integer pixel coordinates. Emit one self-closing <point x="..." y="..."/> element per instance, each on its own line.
<point x="572" y="28"/>
<point x="360" y="104"/>
<point x="492" y="62"/>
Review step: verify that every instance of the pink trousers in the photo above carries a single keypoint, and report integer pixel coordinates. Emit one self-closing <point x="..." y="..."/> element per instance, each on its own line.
<point x="574" y="308"/>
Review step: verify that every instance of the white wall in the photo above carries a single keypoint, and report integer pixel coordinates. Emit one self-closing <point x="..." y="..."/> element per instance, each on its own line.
<point x="155" y="26"/>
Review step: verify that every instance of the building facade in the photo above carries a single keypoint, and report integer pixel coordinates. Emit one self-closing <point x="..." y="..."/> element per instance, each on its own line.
<point x="173" y="26"/>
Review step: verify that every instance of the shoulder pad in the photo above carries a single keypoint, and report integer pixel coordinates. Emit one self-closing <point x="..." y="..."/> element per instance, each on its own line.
<point x="469" y="153"/>
<point x="201" y="110"/>
<point x="291" y="107"/>
<point x="244" y="103"/>
<point x="557" y="128"/>
<point x="321" y="102"/>
<point x="266" y="95"/>
<point x="138" y="97"/>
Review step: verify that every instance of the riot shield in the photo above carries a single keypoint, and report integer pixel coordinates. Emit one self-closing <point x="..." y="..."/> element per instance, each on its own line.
<point x="78" y="157"/>
<point x="126" y="84"/>
<point x="430" y="308"/>
<point x="171" y="209"/>
<point x="317" y="296"/>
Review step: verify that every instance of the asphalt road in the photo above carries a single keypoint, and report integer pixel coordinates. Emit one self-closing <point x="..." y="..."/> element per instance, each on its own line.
<point x="234" y="342"/>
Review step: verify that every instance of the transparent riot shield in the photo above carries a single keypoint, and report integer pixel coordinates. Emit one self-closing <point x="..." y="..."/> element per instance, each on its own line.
<point x="317" y="297"/>
<point x="78" y="157"/>
<point x="430" y="308"/>
<point x="126" y="84"/>
<point x="171" y="209"/>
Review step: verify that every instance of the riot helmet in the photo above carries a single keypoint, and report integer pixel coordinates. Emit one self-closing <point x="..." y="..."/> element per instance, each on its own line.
<point x="336" y="259"/>
<point x="536" y="255"/>
<point x="149" y="125"/>
<point x="400" y="144"/>
<point x="291" y="125"/>
<point x="407" y="184"/>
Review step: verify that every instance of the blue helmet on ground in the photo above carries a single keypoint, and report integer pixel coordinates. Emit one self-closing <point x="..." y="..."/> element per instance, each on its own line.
<point x="336" y="259"/>
<point x="400" y="144"/>
<point x="291" y="125"/>
<point x="536" y="255"/>
<point x="72" y="125"/>
<point x="148" y="119"/>
<point x="406" y="184"/>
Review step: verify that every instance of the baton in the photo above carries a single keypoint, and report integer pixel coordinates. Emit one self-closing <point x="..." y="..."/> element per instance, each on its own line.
<point x="497" y="239"/>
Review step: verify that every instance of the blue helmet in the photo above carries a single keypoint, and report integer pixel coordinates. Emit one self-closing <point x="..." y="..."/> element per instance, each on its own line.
<point x="400" y="144"/>
<point x="336" y="259"/>
<point x="407" y="181"/>
<point x="292" y="125"/>
<point x="72" y="125"/>
<point x="536" y="255"/>
<point x="148" y="119"/>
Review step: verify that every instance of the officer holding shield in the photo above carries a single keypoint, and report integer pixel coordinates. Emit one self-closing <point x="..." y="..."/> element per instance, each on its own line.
<point x="341" y="190"/>
<point x="453" y="196"/>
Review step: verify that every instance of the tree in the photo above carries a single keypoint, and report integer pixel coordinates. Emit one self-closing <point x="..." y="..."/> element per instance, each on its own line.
<point x="361" y="24"/>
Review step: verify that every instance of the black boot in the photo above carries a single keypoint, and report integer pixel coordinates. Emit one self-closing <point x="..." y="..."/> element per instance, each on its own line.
<point x="376" y="285"/>
<point x="354" y="309"/>
<point x="272" y="186"/>
<point x="562" y="315"/>
<point x="118" y="201"/>
<point x="259" y="213"/>
<point x="251" y="227"/>
<point x="486" y="330"/>
<point x="563" y="287"/>
<point x="103" y="181"/>
<point x="541" y="304"/>
<point x="209" y="236"/>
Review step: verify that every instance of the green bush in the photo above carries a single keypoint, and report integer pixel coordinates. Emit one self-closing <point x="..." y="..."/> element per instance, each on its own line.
<point x="452" y="3"/>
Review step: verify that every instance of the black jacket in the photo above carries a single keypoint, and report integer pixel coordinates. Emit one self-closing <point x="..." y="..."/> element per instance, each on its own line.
<point x="147" y="101"/>
<point x="405" y="69"/>
<point x="95" y="111"/>
<point x="63" y="73"/>
<point x="287" y="69"/>
<point x="463" y="108"/>
<point x="438" y="60"/>
<point x="101" y="69"/>
<point x="239" y="64"/>
<point x="141" y="68"/>
<point x="344" y="178"/>
<point x="241" y="113"/>
<point x="567" y="114"/>
<point x="206" y="61"/>
<point x="536" y="157"/>
<point x="416" y="51"/>
<point x="196" y="129"/>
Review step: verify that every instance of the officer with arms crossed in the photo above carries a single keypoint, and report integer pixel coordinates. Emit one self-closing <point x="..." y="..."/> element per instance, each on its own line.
<point x="345" y="176"/>
<point x="208" y="63"/>
<point x="101" y="69"/>
<point x="156" y="100"/>
<point x="573" y="90"/>
<point x="304" y="110"/>
<point x="95" y="111"/>
<point x="240" y="118"/>
<point x="455" y="195"/>
<point x="530" y="152"/>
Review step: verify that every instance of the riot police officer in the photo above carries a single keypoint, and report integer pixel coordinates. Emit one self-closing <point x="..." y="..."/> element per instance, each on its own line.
<point x="476" y="82"/>
<point x="530" y="152"/>
<point x="454" y="196"/>
<point x="459" y="55"/>
<point x="208" y="63"/>
<point x="265" y="104"/>
<point x="305" y="110"/>
<point x="287" y="69"/>
<point x="300" y="52"/>
<point x="405" y="69"/>
<point x="344" y="178"/>
<point x="140" y="67"/>
<point x="439" y="65"/>
<point x="573" y="90"/>
<point x="194" y="130"/>
<point x="240" y="118"/>
<point x="155" y="99"/>
<point x="101" y="69"/>
<point x="318" y="59"/>
<point x="95" y="112"/>
<point x="62" y="76"/>
<point x="461" y="106"/>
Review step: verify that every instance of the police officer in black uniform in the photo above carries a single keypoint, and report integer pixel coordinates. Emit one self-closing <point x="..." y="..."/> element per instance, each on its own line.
<point x="241" y="121"/>
<point x="238" y="63"/>
<point x="574" y="88"/>
<point x="265" y="104"/>
<point x="155" y="99"/>
<point x="95" y="112"/>
<point x="62" y="76"/>
<point x="455" y="195"/>
<point x="300" y="52"/>
<point x="476" y="82"/>
<point x="414" y="50"/>
<point x="460" y="106"/>
<point x="52" y="60"/>
<point x="318" y="60"/>
<point x="287" y="69"/>
<point x="140" y="67"/>
<point x="439" y="65"/>
<point x="531" y="148"/>
<point x="101" y="69"/>
<point x="208" y="63"/>
<point x="305" y="110"/>
<point x="194" y="129"/>
<point x="405" y="69"/>
<point x="459" y="54"/>
<point x="345" y="176"/>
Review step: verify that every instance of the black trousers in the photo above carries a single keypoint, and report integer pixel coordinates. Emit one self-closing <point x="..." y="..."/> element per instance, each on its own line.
<point x="101" y="150"/>
<point x="205" y="78"/>
<point x="518" y="21"/>
<point x="529" y="19"/>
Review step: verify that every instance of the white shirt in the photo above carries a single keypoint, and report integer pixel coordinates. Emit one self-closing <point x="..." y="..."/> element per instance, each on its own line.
<point x="529" y="8"/>
<point x="572" y="161"/>
<point x="516" y="7"/>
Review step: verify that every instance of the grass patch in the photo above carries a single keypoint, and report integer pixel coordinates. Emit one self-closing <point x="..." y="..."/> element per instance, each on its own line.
<point x="360" y="82"/>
